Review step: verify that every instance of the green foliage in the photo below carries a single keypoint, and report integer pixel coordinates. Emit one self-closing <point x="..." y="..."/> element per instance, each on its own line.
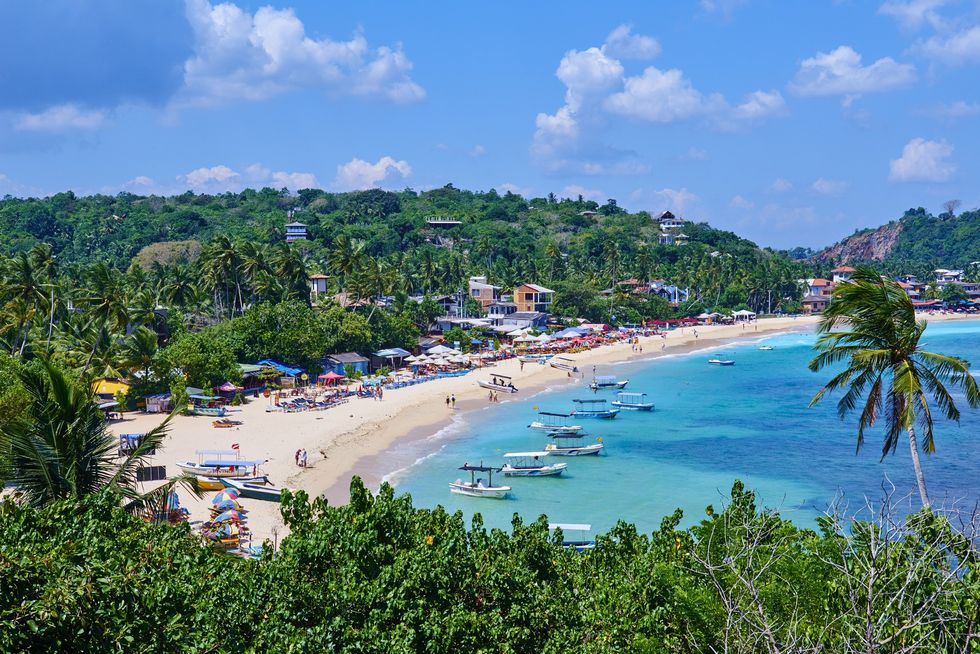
<point x="206" y="359"/>
<point x="378" y="575"/>
<point x="953" y="293"/>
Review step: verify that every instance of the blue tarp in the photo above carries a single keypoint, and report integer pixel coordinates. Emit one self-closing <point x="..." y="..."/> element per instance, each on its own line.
<point x="281" y="367"/>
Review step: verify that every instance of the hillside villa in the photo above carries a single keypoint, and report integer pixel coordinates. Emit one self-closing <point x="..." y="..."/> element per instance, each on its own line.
<point x="531" y="298"/>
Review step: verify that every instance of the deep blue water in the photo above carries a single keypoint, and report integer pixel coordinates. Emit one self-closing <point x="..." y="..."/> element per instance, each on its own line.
<point x="711" y="425"/>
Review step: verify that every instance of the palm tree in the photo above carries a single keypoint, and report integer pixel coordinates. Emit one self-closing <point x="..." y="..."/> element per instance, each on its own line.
<point x="887" y="370"/>
<point x="139" y="350"/>
<point x="26" y="290"/>
<point x="64" y="450"/>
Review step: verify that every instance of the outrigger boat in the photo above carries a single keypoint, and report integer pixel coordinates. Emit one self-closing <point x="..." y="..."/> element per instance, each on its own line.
<point x="722" y="362"/>
<point x="214" y="483"/>
<point x="534" y="358"/>
<point x="632" y="402"/>
<point x="221" y="467"/>
<point x="563" y="363"/>
<point x="557" y="448"/>
<point x="555" y="423"/>
<point x="529" y="464"/>
<point x="580" y="544"/>
<point x="594" y="409"/>
<point x="477" y="487"/>
<point x="602" y="383"/>
<point x="500" y="383"/>
<point x="253" y="490"/>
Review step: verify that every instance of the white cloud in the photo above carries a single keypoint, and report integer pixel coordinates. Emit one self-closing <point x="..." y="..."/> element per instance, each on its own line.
<point x="840" y="72"/>
<point x="913" y="14"/>
<point x="478" y="150"/>
<point x="677" y="200"/>
<point x="141" y="180"/>
<point x="958" y="109"/>
<point x="660" y="97"/>
<point x="923" y="161"/>
<point x="358" y="174"/>
<point x="961" y="48"/>
<point x="294" y="181"/>
<point x="221" y="178"/>
<point x="781" y="185"/>
<point x="694" y="154"/>
<point x="623" y="44"/>
<point x="739" y="202"/>
<point x="574" y="190"/>
<point x="209" y="179"/>
<point x="244" y="56"/>
<point x="725" y="7"/>
<point x="760" y="104"/>
<point x="829" y="186"/>
<point x="61" y="118"/>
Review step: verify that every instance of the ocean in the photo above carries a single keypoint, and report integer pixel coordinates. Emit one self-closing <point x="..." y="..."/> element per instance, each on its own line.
<point x="711" y="425"/>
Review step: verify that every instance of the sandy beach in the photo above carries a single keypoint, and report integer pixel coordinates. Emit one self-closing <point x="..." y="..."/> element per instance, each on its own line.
<point x="356" y="437"/>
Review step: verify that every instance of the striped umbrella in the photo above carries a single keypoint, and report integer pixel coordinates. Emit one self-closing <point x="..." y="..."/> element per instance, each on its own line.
<point x="229" y="516"/>
<point x="226" y="494"/>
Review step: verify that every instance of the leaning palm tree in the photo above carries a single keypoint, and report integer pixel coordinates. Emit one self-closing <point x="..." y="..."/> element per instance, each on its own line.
<point x="887" y="371"/>
<point x="62" y="450"/>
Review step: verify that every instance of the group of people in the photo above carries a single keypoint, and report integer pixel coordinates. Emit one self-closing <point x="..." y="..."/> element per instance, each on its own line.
<point x="493" y="397"/>
<point x="300" y="457"/>
<point x="635" y="344"/>
<point x="451" y="401"/>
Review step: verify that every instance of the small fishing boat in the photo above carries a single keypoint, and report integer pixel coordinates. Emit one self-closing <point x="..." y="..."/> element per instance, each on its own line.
<point x="607" y="382"/>
<point x="563" y="363"/>
<point x="500" y="383"/>
<point x="534" y="358"/>
<point x="632" y="402"/>
<point x="529" y="464"/>
<point x="226" y="423"/>
<point x="765" y="348"/>
<point x="555" y="423"/>
<point x="213" y="411"/>
<point x="721" y="362"/>
<point x="594" y="409"/>
<point x="254" y="491"/>
<point x="214" y="483"/>
<point x="564" y="445"/>
<point x="227" y="463"/>
<point x="574" y="535"/>
<point x="478" y="487"/>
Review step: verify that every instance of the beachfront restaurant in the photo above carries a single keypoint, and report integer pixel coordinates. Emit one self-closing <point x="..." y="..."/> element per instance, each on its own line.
<point x="392" y="357"/>
<point x="287" y="374"/>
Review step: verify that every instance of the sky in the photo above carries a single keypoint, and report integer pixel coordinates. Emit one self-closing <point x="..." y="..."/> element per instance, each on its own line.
<point x="790" y="123"/>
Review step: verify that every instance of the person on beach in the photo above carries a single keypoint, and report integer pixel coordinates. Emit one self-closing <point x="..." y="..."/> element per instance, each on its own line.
<point x="302" y="458"/>
<point x="296" y="456"/>
<point x="522" y="365"/>
<point x="453" y="398"/>
<point x="447" y="401"/>
<point x="490" y="397"/>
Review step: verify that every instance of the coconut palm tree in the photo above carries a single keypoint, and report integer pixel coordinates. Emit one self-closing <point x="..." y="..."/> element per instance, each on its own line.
<point x="64" y="450"/>
<point x="139" y="350"/>
<point x="887" y="371"/>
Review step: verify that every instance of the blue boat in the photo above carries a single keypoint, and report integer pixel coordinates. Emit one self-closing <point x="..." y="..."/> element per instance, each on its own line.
<point x="632" y="402"/>
<point x="594" y="409"/>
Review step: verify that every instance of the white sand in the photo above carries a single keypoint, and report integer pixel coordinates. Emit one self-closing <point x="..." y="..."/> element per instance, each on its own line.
<point x="338" y="439"/>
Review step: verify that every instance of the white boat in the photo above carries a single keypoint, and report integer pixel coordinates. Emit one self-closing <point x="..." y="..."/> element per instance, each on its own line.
<point x="555" y="423"/>
<point x="563" y="364"/>
<point x="765" y="348"/>
<point x="721" y="362"/>
<point x="535" y="358"/>
<point x="214" y="483"/>
<point x="529" y="464"/>
<point x="594" y="409"/>
<point x="603" y="383"/>
<point x="254" y="491"/>
<point x="500" y="383"/>
<point x="574" y="535"/>
<point x="478" y="487"/>
<point x="225" y="464"/>
<point x="563" y="446"/>
<point x="632" y="402"/>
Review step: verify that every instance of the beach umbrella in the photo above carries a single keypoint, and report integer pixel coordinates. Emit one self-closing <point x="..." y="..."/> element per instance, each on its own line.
<point x="411" y="359"/>
<point x="225" y="505"/>
<point x="229" y="516"/>
<point x="226" y="494"/>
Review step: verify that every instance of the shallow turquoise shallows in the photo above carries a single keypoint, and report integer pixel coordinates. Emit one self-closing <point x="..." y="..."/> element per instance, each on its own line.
<point x="711" y="426"/>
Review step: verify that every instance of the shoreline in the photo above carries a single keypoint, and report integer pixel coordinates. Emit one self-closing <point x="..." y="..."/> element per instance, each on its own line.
<point x="375" y="439"/>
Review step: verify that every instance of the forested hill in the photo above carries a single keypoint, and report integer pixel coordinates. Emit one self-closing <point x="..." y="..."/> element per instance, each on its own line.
<point x="916" y="243"/>
<point x="507" y="237"/>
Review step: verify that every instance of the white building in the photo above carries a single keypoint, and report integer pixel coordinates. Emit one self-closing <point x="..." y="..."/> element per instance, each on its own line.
<point x="295" y="231"/>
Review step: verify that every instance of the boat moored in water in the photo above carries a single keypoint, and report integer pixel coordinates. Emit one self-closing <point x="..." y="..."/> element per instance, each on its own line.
<point x="574" y="535"/>
<point x="477" y="487"/>
<point x="765" y="348"/>
<point x="529" y="464"/>
<point x="594" y="409"/>
<point x="632" y="401"/>
<point x="722" y="362"/>
<point x="564" y="445"/>
<point x="555" y="423"/>
<point x="501" y="383"/>
<point x="607" y="382"/>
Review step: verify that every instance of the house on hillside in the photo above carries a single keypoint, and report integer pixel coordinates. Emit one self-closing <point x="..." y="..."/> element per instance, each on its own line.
<point x="815" y="303"/>
<point x="295" y="231"/>
<point x="944" y="276"/>
<point x="669" y="238"/>
<point x="842" y="274"/>
<point x="669" y="221"/>
<point x="499" y="310"/>
<point x="526" y="319"/>
<point x="482" y="292"/>
<point x="318" y="286"/>
<point x="912" y="290"/>
<point x="820" y="287"/>
<point x="533" y="298"/>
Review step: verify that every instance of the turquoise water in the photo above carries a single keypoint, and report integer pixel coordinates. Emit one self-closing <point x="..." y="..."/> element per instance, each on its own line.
<point x="711" y="425"/>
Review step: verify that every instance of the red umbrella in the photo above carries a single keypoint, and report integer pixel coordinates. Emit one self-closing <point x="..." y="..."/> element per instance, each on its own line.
<point x="331" y="377"/>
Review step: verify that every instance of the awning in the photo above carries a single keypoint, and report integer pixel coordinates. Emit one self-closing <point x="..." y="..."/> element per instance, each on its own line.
<point x="392" y="353"/>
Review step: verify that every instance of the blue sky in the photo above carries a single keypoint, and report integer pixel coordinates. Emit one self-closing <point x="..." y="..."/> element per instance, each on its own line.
<point x="792" y="123"/>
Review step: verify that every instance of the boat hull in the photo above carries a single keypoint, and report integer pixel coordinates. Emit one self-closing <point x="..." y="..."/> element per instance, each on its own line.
<point x="496" y="387"/>
<point x="491" y="492"/>
<point x="214" y="483"/>
<point x="643" y="406"/>
<point x="253" y="491"/>
<point x="564" y="366"/>
<point x="717" y="362"/>
<point x="615" y="386"/>
<point x="600" y="415"/>
<point x="542" y="471"/>
<point x="231" y="470"/>
<point x="556" y="429"/>
<point x="584" y="450"/>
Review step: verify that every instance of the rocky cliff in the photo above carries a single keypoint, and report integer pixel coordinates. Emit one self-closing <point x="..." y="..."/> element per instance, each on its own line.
<point x="873" y="245"/>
